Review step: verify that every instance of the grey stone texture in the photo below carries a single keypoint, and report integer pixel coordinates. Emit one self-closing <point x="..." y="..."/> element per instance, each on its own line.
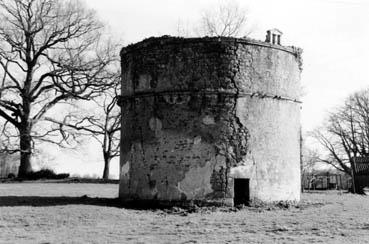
<point x="199" y="112"/>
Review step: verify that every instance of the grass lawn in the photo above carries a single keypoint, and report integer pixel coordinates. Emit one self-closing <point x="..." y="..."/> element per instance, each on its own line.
<point x="82" y="213"/>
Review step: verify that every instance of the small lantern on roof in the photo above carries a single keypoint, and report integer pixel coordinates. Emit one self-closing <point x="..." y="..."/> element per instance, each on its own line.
<point x="274" y="36"/>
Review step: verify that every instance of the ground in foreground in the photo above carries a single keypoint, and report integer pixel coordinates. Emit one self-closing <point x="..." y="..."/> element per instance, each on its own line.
<point x="57" y="213"/>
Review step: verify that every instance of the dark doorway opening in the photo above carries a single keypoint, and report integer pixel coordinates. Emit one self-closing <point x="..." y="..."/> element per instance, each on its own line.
<point x="241" y="191"/>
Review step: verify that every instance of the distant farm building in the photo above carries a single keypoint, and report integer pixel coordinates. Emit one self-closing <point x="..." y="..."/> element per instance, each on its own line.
<point x="8" y="165"/>
<point x="326" y="181"/>
<point x="362" y="172"/>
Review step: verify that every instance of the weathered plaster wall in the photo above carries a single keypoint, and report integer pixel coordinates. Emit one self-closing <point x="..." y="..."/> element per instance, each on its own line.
<point x="200" y="112"/>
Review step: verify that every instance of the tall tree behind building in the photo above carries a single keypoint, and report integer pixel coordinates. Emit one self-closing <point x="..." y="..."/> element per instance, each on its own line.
<point x="222" y="18"/>
<point x="227" y="18"/>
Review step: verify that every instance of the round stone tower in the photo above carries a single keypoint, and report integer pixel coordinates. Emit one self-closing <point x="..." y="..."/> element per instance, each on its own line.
<point x="210" y="120"/>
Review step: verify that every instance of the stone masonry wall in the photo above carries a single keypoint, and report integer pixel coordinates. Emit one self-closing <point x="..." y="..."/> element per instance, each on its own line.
<point x="199" y="112"/>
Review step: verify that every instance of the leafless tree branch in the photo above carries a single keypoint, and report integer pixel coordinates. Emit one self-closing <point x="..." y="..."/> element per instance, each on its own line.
<point x="51" y="51"/>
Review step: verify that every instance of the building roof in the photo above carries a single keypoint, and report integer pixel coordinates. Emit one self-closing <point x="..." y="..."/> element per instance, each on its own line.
<point x="275" y="30"/>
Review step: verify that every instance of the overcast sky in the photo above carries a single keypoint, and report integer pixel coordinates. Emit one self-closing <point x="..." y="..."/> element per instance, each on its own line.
<point x="334" y="35"/>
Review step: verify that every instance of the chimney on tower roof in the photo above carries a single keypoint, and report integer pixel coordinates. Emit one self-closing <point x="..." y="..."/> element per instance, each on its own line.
<point x="274" y="36"/>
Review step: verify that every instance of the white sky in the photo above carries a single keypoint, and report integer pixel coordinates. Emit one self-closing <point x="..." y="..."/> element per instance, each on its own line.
<point x="334" y="35"/>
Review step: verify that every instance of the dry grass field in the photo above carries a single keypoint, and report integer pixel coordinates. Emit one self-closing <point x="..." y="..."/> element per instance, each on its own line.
<point x="86" y="213"/>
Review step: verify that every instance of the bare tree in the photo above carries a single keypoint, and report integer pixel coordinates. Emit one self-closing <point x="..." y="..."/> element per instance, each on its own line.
<point x="103" y="125"/>
<point x="226" y="19"/>
<point x="51" y="51"/>
<point x="183" y="28"/>
<point x="310" y="158"/>
<point x="345" y="137"/>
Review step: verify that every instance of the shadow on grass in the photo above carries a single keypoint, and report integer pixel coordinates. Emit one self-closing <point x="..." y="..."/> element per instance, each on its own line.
<point x="36" y="201"/>
<point x="172" y="207"/>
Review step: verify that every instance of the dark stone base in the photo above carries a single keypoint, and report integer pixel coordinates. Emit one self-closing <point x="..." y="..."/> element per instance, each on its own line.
<point x="160" y="204"/>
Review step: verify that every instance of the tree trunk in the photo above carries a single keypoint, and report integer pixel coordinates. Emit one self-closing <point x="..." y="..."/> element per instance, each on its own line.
<point x="355" y="186"/>
<point x="26" y="151"/>
<point x="301" y="162"/>
<point x="106" y="167"/>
